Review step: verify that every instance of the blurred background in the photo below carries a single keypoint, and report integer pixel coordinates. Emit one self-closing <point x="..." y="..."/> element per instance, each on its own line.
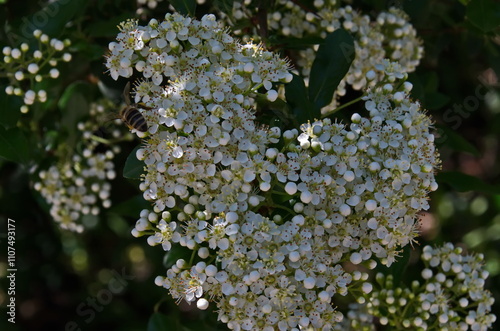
<point x="104" y="278"/>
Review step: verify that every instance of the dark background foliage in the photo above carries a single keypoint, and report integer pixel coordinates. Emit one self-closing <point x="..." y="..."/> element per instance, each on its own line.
<point x="61" y="274"/>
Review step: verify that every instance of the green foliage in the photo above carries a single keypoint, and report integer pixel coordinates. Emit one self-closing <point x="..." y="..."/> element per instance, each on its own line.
<point x="462" y="182"/>
<point x="298" y="99"/>
<point x="54" y="17"/>
<point x="484" y="14"/>
<point x="175" y="253"/>
<point x="133" y="167"/>
<point x="9" y="106"/>
<point x="333" y="59"/>
<point x="159" y="322"/>
<point x="185" y="7"/>
<point x="14" y="146"/>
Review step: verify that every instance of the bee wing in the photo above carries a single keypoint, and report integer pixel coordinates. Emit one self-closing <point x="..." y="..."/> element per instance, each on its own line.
<point x="143" y="106"/>
<point x="126" y="93"/>
<point x="111" y="117"/>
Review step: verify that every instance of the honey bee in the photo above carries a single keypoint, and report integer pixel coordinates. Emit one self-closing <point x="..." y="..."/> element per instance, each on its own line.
<point x="130" y="114"/>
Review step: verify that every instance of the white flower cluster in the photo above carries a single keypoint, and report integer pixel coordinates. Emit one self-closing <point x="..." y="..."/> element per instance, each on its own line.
<point x="366" y="182"/>
<point x="79" y="184"/>
<point x="450" y="296"/>
<point x="24" y="67"/>
<point x="270" y="216"/>
<point x="389" y="36"/>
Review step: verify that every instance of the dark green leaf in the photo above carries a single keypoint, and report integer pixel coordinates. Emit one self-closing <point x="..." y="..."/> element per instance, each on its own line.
<point x="9" y="109"/>
<point x="484" y="14"/>
<point x="160" y="322"/>
<point x="397" y="269"/>
<point x="107" y="28"/>
<point x="184" y="7"/>
<point x="272" y="113"/>
<point x="435" y="100"/>
<point x="333" y="59"/>
<point x="131" y="207"/>
<point x="297" y="99"/>
<point x="462" y="182"/>
<point x="14" y="146"/>
<point x="225" y="6"/>
<point x="133" y="167"/>
<point x="455" y="141"/>
<point x="73" y="104"/>
<point x="175" y="253"/>
<point x="52" y="18"/>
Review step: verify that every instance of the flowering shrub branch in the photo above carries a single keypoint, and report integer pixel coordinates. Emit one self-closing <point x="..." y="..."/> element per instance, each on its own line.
<point x="270" y="216"/>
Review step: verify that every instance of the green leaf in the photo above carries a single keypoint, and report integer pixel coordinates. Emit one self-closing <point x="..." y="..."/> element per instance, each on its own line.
<point x="131" y="207"/>
<point x="52" y="18"/>
<point x="333" y="59"/>
<point x="276" y="113"/>
<point x="175" y="253"/>
<point x="9" y="109"/>
<point x="73" y="104"/>
<point x="225" y="6"/>
<point x="160" y="322"/>
<point x="14" y="146"/>
<point x="484" y="14"/>
<point x="298" y="100"/>
<point x="397" y="269"/>
<point x="133" y="167"/>
<point x="107" y="28"/>
<point x="184" y="7"/>
<point x="454" y="140"/>
<point x="463" y="183"/>
<point x="436" y="100"/>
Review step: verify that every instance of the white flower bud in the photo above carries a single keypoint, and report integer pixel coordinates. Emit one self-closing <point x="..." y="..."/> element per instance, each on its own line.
<point x="356" y="258"/>
<point x="367" y="288"/>
<point x="370" y="75"/>
<point x="54" y="73"/>
<point x="19" y="75"/>
<point x="272" y="95"/>
<point x="15" y="53"/>
<point x="33" y="68"/>
<point x="66" y="57"/>
<point x="202" y="304"/>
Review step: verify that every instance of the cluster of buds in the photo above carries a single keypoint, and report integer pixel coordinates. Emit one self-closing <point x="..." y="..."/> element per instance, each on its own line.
<point x="79" y="187"/>
<point x="449" y="296"/>
<point x="25" y="67"/>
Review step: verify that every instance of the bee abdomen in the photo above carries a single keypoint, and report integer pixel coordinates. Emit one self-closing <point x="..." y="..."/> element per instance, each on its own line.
<point x="134" y="119"/>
